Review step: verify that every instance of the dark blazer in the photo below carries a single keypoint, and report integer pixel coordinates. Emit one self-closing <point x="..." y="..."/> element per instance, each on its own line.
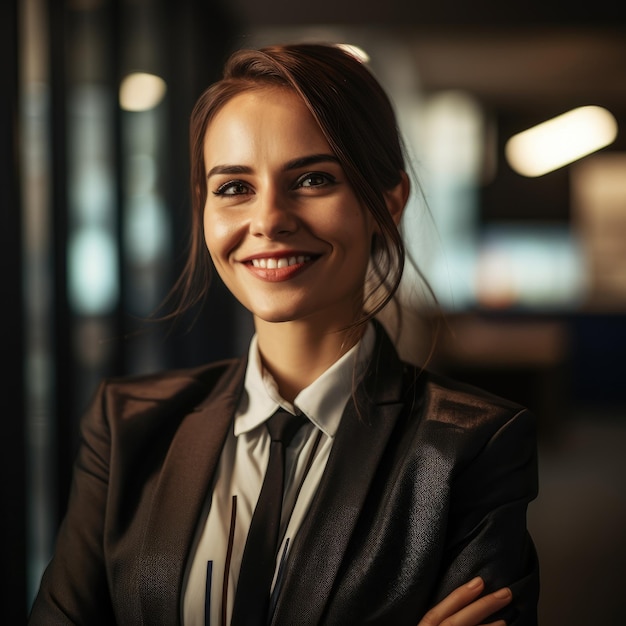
<point x="427" y="486"/>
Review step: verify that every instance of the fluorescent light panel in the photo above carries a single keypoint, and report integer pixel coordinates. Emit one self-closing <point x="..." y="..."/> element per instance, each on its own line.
<point x="561" y="140"/>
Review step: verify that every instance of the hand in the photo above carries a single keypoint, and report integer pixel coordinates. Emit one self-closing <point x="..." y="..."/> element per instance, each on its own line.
<point x="463" y="607"/>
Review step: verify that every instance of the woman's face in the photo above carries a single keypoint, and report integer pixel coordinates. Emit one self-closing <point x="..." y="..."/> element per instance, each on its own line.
<point x="284" y="228"/>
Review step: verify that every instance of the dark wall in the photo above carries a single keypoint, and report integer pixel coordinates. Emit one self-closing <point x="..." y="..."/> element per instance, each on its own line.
<point x="12" y="446"/>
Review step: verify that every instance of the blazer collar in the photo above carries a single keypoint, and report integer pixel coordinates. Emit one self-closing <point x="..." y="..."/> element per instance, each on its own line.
<point x="187" y="474"/>
<point x="322" y="540"/>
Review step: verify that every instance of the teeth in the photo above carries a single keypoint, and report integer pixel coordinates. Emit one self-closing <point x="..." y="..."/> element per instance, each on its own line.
<point x="272" y="264"/>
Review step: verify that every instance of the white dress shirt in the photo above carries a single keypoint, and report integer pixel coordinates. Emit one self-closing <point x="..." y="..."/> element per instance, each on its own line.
<point x="241" y="470"/>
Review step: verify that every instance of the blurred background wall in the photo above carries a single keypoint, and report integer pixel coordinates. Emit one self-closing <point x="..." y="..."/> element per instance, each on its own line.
<point x="530" y="271"/>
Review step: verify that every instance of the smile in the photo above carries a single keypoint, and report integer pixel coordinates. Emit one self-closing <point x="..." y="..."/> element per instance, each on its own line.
<point x="273" y="263"/>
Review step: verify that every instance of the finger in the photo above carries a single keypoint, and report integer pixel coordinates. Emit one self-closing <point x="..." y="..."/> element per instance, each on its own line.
<point x="480" y="609"/>
<point x="453" y="602"/>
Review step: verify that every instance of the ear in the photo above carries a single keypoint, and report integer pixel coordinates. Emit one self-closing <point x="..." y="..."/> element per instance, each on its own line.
<point x="397" y="197"/>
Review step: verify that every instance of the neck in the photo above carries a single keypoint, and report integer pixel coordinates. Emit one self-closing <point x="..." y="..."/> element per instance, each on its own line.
<point x="295" y="354"/>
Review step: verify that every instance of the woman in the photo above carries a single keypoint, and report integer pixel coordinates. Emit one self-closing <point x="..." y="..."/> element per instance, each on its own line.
<point x="405" y="494"/>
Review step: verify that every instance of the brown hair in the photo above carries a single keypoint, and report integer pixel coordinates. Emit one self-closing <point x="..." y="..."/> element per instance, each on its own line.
<point x="359" y="123"/>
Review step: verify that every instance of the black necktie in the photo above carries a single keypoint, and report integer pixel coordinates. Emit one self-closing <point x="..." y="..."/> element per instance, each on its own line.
<point x="259" y="557"/>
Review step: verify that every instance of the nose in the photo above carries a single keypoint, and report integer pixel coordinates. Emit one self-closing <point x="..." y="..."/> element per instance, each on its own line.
<point x="272" y="216"/>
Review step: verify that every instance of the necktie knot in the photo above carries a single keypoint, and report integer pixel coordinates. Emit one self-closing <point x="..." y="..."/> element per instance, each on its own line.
<point x="283" y="426"/>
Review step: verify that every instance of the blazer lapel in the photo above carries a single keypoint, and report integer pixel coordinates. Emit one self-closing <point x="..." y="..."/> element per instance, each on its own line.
<point x="186" y="477"/>
<point x="322" y="540"/>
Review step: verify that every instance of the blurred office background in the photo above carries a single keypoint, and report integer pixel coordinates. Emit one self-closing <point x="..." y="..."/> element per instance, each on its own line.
<point x="530" y="270"/>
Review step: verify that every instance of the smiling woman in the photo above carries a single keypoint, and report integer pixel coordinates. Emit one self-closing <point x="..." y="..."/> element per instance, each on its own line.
<point x="285" y="197"/>
<point x="398" y="497"/>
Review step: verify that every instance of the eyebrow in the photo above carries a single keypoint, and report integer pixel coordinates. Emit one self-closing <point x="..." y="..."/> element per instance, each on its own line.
<point x="312" y="159"/>
<point x="305" y="161"/>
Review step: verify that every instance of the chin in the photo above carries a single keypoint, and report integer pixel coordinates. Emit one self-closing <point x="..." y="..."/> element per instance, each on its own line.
<point x="276" y="312"/>
<point x="275" y="317"/>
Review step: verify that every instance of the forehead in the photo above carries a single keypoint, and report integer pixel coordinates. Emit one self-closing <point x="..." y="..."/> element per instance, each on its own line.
<point x="263" y="121"/>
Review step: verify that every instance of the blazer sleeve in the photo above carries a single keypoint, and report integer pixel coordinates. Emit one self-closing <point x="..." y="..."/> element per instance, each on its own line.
<point x="74" y="586"/>
<point x="487" y="533"/>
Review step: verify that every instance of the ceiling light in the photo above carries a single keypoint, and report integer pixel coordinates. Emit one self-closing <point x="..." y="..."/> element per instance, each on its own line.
<point x="141" y="92"/>
<point x="560" y="140"/>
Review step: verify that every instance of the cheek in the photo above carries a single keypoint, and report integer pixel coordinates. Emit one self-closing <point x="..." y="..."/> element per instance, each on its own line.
<point x="207" y="230"/>
<point x="356" y="233"/>
<point x="219" y="234"/>
<point x="344" y="220"/>
<point x="209" y="235"/>
<point x="216" y="240"/>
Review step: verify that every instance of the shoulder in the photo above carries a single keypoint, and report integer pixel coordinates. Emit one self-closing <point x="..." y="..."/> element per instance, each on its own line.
<point x="179" y="390"/>
<point x="456" y="400"/>
<point x="160" y="382"/>
<point x="437" y="399"/>
<point x="467" y="418"/>
<point x="474" y="444"/>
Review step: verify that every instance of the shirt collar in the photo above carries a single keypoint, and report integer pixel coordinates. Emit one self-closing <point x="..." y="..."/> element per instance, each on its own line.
<point x="323" y="401"/>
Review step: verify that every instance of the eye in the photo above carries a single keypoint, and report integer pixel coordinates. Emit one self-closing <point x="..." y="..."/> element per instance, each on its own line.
<point x="314" y="179"/>
<point x="232" y="188"/>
